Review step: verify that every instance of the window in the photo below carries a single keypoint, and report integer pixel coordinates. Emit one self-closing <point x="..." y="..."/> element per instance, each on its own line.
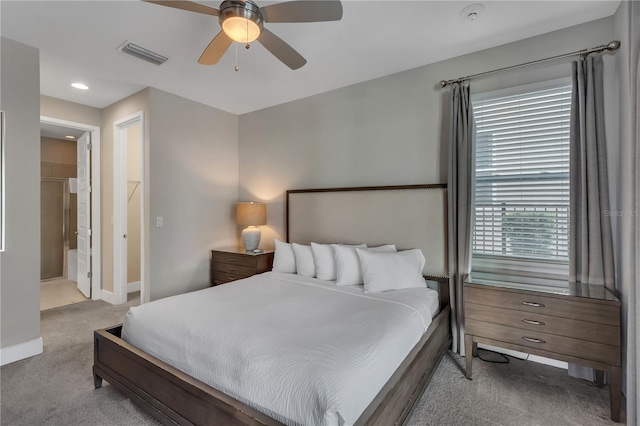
<point x="522" y="174"/>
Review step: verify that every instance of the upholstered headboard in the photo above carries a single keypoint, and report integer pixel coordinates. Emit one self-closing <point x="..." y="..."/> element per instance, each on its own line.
<point x="412" y="216"/>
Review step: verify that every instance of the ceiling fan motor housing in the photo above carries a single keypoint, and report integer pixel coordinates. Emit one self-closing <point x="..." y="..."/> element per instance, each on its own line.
<point x="233" y="18"/>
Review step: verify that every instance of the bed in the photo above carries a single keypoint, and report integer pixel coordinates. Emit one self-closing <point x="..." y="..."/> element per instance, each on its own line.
<point x="176" y="394"/>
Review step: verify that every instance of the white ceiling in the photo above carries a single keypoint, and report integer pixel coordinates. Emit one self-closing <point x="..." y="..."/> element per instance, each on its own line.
<point x="78" y="41"/>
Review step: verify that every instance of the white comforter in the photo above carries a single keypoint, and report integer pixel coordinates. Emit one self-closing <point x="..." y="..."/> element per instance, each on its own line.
<point x="301" y="350"/>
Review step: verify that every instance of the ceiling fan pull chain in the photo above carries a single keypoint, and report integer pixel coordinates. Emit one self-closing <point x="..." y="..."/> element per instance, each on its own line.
<point x="237" y="67"/>
<point x="247" y="45"/>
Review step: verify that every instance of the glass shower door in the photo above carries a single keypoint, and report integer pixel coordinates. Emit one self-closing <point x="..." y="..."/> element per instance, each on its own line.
<point x="52" y="228"/>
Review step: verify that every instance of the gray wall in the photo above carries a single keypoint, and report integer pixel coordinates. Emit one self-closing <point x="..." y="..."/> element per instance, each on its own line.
<point x="70" y="111"/>
<point x="130" y="105"/>
<point x="389" y="130"/>
<point x="19" y="271"/>
<point x="194" y="187"/>
<point x="191" y="170"/>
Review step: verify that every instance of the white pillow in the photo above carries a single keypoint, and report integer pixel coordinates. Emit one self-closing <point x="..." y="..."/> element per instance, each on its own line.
<point x="305" y="265"/>
<point x="325" y="260"/>
<point x="348" y="270"/>
<point x="392" y="271"/>
<point x="324" y="257"/>
<point x="284" y="259"/>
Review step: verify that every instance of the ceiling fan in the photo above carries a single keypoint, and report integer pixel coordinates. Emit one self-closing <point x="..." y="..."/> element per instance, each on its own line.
<point x="243" y="21"/>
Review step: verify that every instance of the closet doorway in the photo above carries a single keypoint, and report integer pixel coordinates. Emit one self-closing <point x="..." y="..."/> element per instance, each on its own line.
<point x="129" y="223"/>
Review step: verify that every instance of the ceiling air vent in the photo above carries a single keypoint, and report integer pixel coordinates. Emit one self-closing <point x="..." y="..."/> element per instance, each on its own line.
<point x="142" y="53"/>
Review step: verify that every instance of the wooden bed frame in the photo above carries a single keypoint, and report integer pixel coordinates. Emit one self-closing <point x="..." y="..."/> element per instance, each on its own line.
<point x="174" y="397"/>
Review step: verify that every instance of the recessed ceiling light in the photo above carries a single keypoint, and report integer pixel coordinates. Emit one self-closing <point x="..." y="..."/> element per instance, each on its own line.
<point x="472" y="11"/>
<point x="70" y="137"/>
<point x="80" y="86"/>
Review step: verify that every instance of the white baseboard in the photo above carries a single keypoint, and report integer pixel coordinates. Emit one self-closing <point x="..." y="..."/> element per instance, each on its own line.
<point x="108" y="297"/>
<point x="131" y="287"/>
<point x="20" y="351"/>
<point x="526" y="356"/>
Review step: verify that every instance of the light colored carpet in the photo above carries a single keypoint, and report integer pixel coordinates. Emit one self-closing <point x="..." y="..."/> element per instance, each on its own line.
<point x="517" y="393"/>
<point x="56" y="388"/>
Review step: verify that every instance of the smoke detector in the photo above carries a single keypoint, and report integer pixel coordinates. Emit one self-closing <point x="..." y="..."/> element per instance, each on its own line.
<point x="472" y="11"/>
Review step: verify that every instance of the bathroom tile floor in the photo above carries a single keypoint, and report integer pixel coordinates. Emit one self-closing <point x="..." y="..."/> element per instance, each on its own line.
<point x="59" y="292"/>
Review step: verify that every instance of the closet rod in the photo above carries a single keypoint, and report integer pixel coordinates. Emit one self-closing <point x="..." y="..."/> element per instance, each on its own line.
<point x="614" y="45"/>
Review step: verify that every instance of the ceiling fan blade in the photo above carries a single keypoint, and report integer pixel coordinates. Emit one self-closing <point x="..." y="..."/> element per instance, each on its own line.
<point x="215" y="49"/>
<point x="187" y="5"/>
<point x="303" y="11"/>
<point x="281" y="50"/>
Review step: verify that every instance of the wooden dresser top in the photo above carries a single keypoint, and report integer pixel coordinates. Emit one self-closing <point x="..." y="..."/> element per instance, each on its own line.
<point x="583" y="292"/>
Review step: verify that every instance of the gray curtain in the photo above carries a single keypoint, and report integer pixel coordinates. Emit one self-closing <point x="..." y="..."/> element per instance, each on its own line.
<point x="460" y="204"/>
<point x="590" y="240"/>
<point x="633" y="303"/>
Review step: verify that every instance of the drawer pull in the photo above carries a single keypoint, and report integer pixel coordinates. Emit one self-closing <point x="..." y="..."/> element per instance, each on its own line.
<point x="231" y="259"/>
<point x="532" y="340"/>
<point x="232" y="268"/>
<point x="532" y="322"/>
<point x="534" y="304"/>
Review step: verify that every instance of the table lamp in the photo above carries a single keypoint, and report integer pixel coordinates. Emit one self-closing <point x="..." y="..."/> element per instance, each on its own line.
<point x="252" y="215"/>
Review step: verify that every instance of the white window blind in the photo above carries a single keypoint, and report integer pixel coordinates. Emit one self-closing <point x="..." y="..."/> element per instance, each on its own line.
<point x="522" y="173"/>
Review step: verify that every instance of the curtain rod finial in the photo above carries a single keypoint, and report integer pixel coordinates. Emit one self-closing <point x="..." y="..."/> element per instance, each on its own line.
<point x="443" y="83"/>
<point x="614" y="45"/>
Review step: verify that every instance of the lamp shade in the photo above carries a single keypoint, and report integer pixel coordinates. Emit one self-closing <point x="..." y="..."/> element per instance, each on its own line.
<point x="251" y="214"/>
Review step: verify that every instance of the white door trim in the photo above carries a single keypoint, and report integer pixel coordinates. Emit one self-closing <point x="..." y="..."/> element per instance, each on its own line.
<point x="83" y="234"/>
<point x="96" y="223"/>
<point x="120" y="289"/>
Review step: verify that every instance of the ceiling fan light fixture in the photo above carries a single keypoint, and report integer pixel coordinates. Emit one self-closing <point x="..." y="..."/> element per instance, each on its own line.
<point x="241" y="20"/>
<point x="241" y="29"/>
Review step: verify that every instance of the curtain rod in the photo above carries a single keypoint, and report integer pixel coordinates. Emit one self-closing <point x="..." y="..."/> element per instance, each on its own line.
<point x="614" y="45"/>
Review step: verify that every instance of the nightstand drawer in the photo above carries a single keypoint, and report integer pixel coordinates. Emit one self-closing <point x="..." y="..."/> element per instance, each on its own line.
<point x="547" y="342"/>
<point x="233" y="268"/>
<point x="583" y="330"/>
<point x="521" y="301"/>
<point x="223" y="278"/>
<point x="234" y="263"/>
<point x="234" y="259"/>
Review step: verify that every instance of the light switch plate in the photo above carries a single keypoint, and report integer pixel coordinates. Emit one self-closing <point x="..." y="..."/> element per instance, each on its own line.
<point x="159" y="221"/>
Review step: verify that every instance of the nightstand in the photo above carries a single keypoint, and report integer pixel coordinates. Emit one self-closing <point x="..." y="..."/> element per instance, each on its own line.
<point x="579" y="324"/>
<point x="234" y="263"/>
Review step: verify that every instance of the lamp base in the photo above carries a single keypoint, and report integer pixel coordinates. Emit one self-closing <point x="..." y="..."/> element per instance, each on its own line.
<point x="251" y="238"/>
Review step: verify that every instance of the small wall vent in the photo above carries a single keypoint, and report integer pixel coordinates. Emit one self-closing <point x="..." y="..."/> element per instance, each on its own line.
<point x="142" y="53"/>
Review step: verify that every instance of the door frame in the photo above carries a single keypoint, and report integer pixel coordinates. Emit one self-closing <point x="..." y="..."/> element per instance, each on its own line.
<point x="120" y="285"/>
<point x="96" y="186"/>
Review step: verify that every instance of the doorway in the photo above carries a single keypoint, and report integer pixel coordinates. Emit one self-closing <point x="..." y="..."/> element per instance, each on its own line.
<point x="128" y="208"/>
<point x="70" y="213"/>
<point x="59" y="169"/>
